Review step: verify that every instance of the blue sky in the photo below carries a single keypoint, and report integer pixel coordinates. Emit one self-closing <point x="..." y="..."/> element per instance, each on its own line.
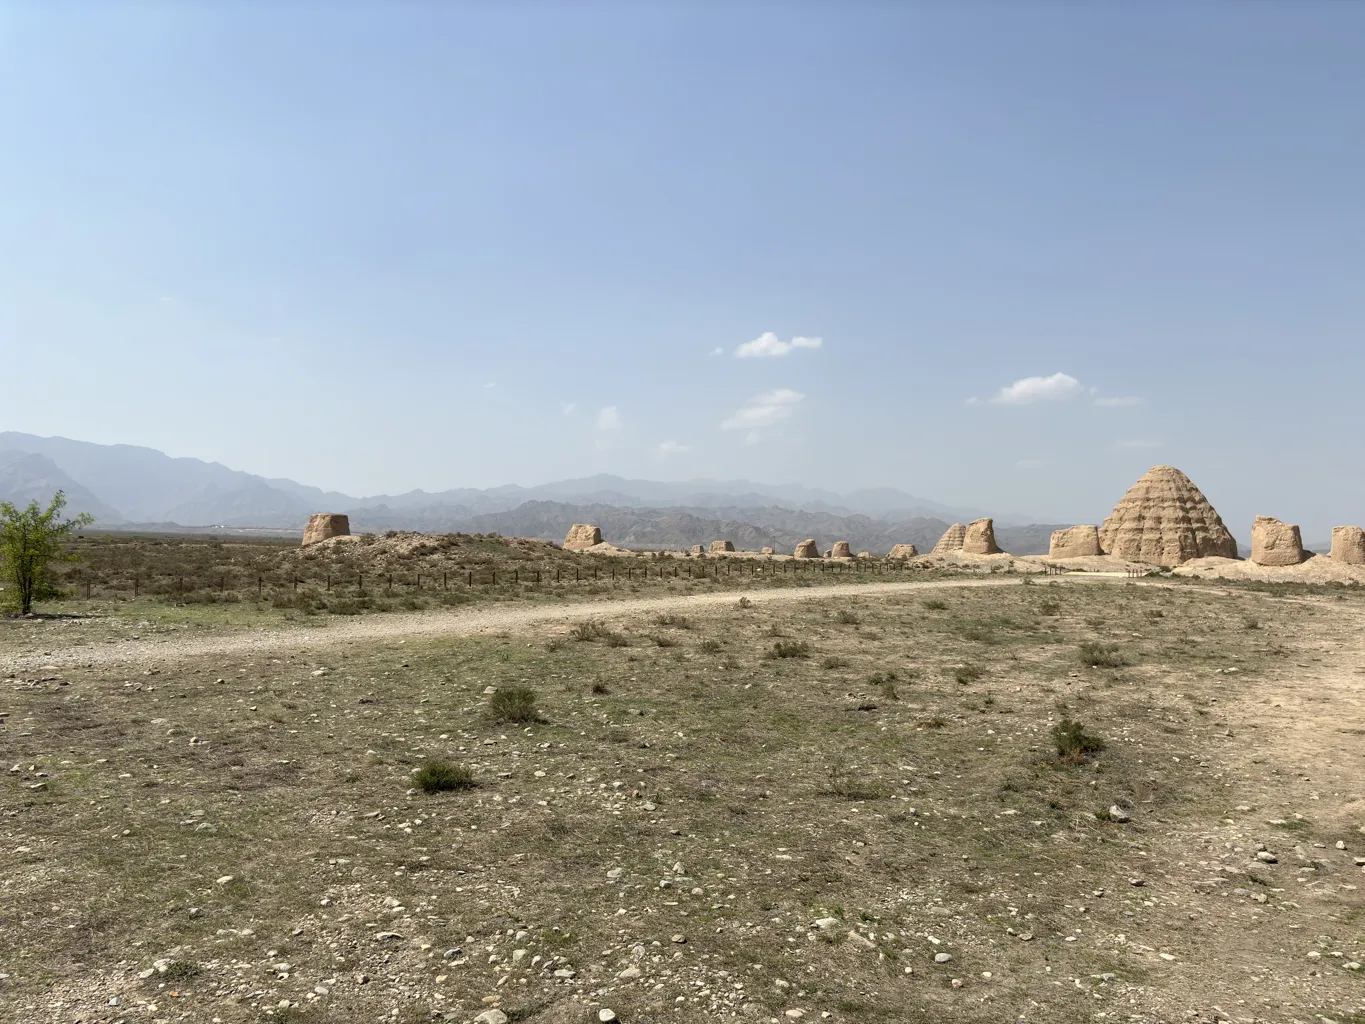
<point x="377" y="247"/>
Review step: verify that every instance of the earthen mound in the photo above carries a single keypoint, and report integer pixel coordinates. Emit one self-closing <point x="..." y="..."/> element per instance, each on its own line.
<point x="951" y="540"/>
<point x="1165" y="520"/>
<point x="980" y="538"/>
<point x="1077" y="542"/>
<point x="722" y="545"/>
<point x="903" y="551"/>
<point x="581" y="536"/>
<point x="840" y="550"/>
<point x="324" y="526"/>
<point x="766" y="551"/>
<point x="806" y="549"/>
<point x="1275" y="543"/>
<point x="1348" y="545"/>
<point x="698" y="549"/>
<point x="864" y="554"/>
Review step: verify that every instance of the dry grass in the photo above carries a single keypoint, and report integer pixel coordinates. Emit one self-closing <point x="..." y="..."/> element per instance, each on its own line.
<point x="223" y="817"/>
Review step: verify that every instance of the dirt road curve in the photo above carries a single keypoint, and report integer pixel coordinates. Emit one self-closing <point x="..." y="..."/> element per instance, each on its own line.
<point x="444" y="623"/>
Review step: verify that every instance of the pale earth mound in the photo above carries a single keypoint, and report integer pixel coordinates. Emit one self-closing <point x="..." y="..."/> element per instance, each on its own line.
<point x="979" y="538"/>
<point x="1164" y="519"/>
<point x="903" y="551"/>
<point x="1348" y="545"/>
<point x="1076" y="542"/>
<point x="1314" y="569"/>
<point x="1275" y="543"/>
<point x="324" y="526"/>
<point x="951" y="540"/>
<point x="582" y="536"/>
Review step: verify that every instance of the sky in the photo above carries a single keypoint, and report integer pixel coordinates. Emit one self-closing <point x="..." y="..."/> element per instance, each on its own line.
<point x="1007" y="256"/>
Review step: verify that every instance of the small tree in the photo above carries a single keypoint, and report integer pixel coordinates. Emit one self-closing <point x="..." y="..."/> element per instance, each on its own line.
<point x="30" y="541"/>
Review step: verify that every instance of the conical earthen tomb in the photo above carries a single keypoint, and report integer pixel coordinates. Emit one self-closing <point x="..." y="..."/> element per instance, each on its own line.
<point x="1165" y="520"/>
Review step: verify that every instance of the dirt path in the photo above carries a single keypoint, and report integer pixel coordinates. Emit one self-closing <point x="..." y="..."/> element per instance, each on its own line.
<point x="165" y="649"/>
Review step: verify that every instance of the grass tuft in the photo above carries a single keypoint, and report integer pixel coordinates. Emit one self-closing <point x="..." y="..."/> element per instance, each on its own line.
<point x="437" y="776"/>
<point x="1097" y="655"/>
<point x="1074" y="744"/>
<point x="516" y="704"/>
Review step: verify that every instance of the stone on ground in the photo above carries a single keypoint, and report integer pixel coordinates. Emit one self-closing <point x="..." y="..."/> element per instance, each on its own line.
<point x="840" y="550"/>
<point x="980" y="538"/>
<point x="951" y="540"/>
<point x="904" y="551"/>
<point x="806" y="549"/>
<point x="581" y="536"/>
<point x="1164" y="519"/>
<point x="1076" y="542"/>
<point x="1275" y="543"/>
<point x="722" y="545"/>
<point x="1348" y="544"/>
<point x="324" y="525"/>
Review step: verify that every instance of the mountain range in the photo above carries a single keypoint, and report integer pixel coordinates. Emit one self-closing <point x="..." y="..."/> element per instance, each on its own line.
<point x="129" y="487"/>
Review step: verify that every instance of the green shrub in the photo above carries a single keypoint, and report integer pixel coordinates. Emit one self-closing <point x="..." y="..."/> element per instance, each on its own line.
<point x="846" y="618"/>
<point x="437" y="776"/>
<point x="790" y="649"/>
<point x="1049" y="608"/>
<point x="834" y="661"/>
<point x="587" y="632"/>
<point x="935" y="605"/>
<point x="515" y="704"/>
<point x="674" y="620"/>
<point x="1074" y="744"/>
<point x="710" y="646"/>
<point x="1098" y="655"/>
<point x="660" y="640"/>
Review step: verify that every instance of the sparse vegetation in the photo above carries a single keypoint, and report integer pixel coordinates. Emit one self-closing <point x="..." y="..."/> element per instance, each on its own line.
<point x="1075" y="745"/>
<point x="935" y="604"/>
<point x="516" y="704"/>
<point x="747" y="775"/>
<point x="1097" y="655"/>
<point x="846" y="618"/>
<point x="790" y="649"/>
<point x="437" y="776"/>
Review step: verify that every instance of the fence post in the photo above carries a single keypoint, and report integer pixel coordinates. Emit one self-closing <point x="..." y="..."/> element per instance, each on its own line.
<point x="260" y="586"/>
<point x="135" y="585"/>
<point x="329" y="583"/>
<point x="390" y="582"/>
<point x="469" y="578"/>
<point x="360" y="583"/>
<point x="296" y="584"/>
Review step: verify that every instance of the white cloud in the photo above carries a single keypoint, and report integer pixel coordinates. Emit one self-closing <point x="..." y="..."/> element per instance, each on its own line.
<point x="767" y="344"/>
<point x="666" y="448"/>
<point x="609" y="419"/>
<point x="764" y="410"/>
<point x="1138" y="444"/>
<point x="1120" y="400"/>
<point x="569" y="408"/>
<point x="1039" y="389"/>
<point x="490" y="384"/>
<point x="718" y="351"/>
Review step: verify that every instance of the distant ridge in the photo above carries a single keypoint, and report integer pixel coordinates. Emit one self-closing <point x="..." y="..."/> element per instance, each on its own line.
<point x="134" y="488"/>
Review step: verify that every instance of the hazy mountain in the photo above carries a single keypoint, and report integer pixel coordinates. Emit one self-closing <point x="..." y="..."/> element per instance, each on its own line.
<point x="25" y="477"/>
<point x="679" y="527"/>
<point x="125" y="484"/>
